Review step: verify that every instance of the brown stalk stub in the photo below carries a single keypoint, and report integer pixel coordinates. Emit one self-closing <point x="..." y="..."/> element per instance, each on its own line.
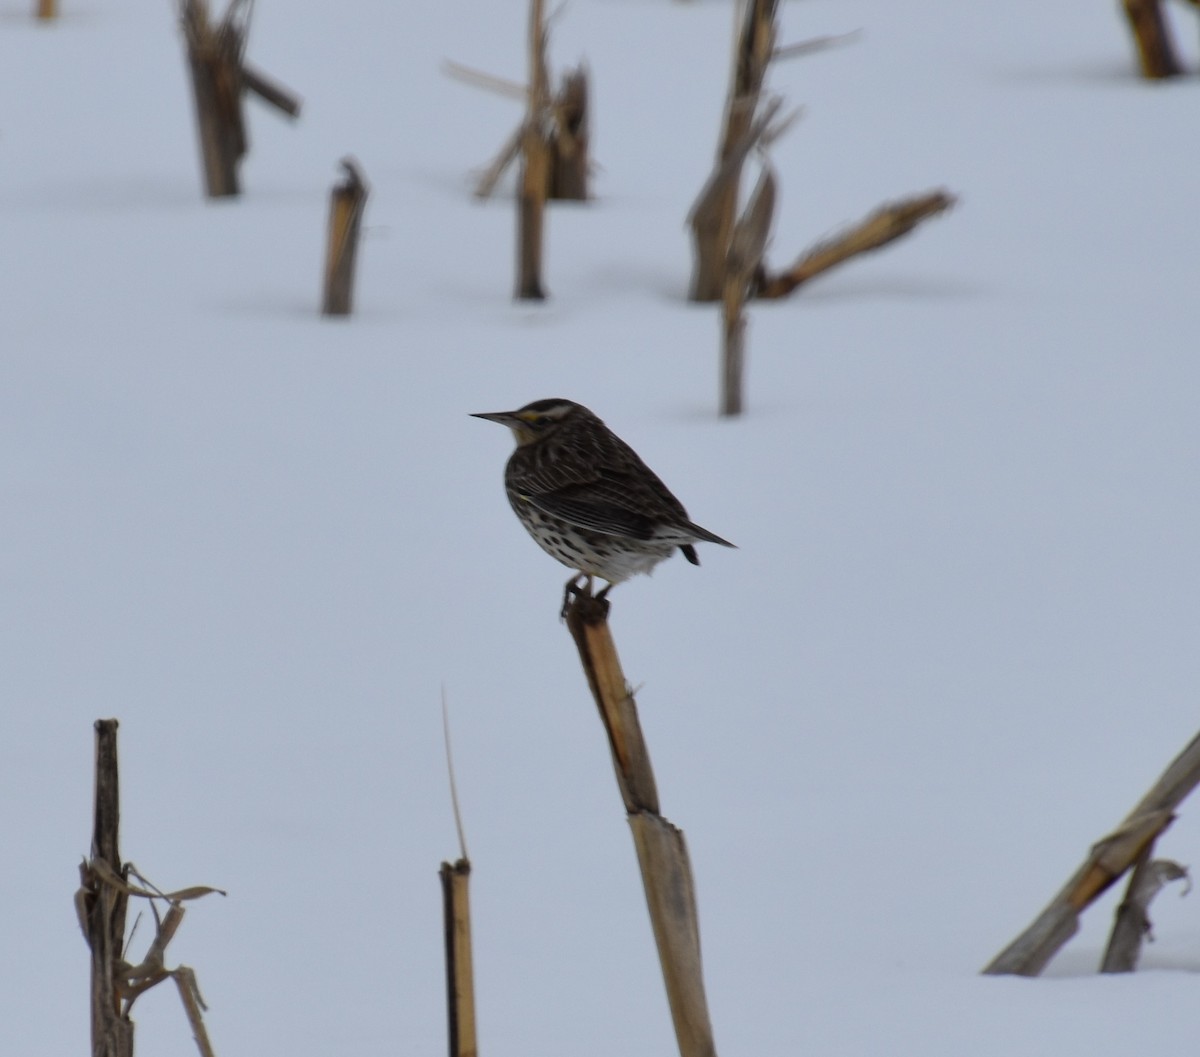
<point x="587" y="620"/>
<point x="551" y="146"/>
<point x="1109" y="858"/>
<point x="585" y="608"/>
<point x="661" y="849"/>
<point x="220" y="77"/>
<point x="460" y="974"/>
<point x="102" y="902"/>
<point x="729" y="265"/>
<point x="102" y="907"/>
<point x="1152" y="38"/>
<point x="569" y="160"/>
<point x="889" y="222"/>
<point x="347" y="202"/>
<point x="1132" y="923"/>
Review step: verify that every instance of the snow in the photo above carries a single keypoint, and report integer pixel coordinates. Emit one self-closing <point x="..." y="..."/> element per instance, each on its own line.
<point x="956" y="644"/>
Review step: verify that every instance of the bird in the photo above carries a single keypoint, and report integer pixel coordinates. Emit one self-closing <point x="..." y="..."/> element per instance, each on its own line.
<point x="588" y="500"/>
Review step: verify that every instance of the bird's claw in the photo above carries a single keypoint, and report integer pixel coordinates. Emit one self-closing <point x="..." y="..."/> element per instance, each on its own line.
<point x="588" y="607"/>
<point x="577" y="587"/>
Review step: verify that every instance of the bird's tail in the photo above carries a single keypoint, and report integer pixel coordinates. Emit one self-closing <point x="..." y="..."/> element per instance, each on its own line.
<point x="708" y="537"/>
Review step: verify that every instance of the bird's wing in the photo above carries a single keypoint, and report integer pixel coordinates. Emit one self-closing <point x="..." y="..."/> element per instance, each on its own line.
<point x="610" y="491"/>
<point x="596" y="508"/>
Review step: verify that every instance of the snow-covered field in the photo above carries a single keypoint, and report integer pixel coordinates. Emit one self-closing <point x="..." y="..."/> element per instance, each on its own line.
<point x="958" y="640"/>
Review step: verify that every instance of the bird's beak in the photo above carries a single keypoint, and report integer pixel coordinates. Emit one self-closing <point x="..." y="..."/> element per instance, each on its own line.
<point x="504" y="418"/>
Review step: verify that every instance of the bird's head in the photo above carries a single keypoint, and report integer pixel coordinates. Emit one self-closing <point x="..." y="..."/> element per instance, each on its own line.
<point x="535" y="421"/>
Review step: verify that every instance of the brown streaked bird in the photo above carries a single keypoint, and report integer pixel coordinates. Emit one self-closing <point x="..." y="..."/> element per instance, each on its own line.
<point x="587" y="498"/>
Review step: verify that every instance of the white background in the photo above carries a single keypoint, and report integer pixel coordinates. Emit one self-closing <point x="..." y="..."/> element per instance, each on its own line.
<point x="956" y="643"/>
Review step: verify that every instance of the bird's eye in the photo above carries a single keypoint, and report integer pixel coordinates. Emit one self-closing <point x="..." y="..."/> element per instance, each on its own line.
<point x="541" y="420"/>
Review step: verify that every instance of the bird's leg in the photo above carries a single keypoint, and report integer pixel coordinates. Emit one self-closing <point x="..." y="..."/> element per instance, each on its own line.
<point x="577" y="587"/>
<point x="602" y="594"/>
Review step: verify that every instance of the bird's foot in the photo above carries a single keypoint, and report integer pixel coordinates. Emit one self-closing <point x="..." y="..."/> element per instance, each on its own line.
<point x="588" y="607"/>
<point x="577" y="587"/>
